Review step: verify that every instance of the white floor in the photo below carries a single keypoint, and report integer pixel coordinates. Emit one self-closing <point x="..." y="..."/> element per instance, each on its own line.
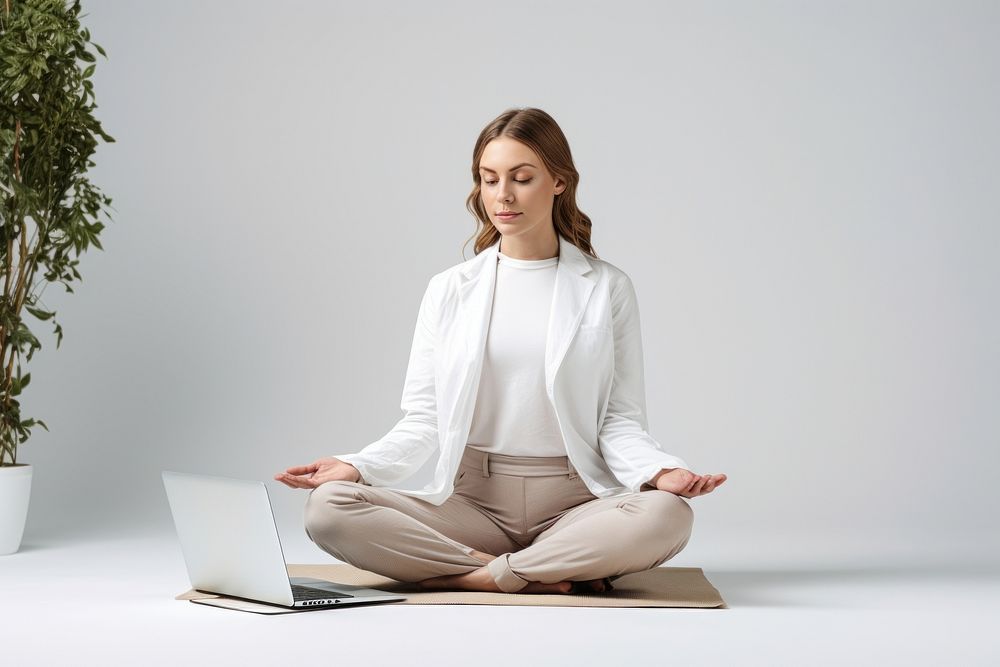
<point x="110" y="601"/>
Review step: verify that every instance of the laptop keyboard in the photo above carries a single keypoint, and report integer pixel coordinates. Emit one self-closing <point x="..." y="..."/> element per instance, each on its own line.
<point x="300" y="592"/>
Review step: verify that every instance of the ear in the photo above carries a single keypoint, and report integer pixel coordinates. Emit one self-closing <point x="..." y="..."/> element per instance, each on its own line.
<point x="560" y="185"/>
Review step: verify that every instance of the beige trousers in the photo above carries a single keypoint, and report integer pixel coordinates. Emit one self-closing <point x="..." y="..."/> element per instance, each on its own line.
<point x="535" y="513"/>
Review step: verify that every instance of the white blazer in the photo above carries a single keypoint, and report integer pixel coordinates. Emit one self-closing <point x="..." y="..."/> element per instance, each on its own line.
<point x="593" y="378"/>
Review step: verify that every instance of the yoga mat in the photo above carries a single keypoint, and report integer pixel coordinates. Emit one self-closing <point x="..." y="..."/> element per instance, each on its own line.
<point x="658" y="587"/>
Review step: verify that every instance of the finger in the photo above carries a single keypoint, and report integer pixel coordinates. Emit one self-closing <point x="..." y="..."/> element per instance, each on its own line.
<point x="697" y="490"/>
<point x="687" y="492"/>
<point x="683" y="491"/>
<point x="301" y="470"/>
<point x="305" y="483"/>
<point x="286" y="480"/>
<point x="312" y="481"/>
<point x="294" y="482"/>
<point x="714" y="483"/>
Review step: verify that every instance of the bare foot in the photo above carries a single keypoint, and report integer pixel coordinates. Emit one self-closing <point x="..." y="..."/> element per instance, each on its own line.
<point x="599" y="585"/>
<point x="482" y="580"/>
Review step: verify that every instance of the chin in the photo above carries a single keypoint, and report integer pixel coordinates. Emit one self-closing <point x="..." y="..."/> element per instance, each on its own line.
<point x="517" y="223"/>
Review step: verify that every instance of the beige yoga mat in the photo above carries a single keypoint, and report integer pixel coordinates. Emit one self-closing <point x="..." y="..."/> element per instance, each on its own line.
<point x="659" y="587"/>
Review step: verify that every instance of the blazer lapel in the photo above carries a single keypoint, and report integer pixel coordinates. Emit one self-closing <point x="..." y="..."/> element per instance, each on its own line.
<point x="569" y="301"/>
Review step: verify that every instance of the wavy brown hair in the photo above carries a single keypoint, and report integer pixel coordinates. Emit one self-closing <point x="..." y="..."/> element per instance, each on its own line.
<point x="538" y="131"/>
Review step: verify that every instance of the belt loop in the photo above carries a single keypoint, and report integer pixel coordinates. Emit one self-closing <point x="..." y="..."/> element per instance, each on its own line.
<point x="486" y="464"/>
<point x="572" y="470"/>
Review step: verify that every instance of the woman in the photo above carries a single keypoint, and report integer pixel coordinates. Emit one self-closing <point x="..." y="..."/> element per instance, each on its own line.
<point x="526" y="373"/>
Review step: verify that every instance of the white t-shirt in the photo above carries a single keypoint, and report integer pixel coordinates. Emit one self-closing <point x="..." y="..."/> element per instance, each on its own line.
<point x="513" y="415"/>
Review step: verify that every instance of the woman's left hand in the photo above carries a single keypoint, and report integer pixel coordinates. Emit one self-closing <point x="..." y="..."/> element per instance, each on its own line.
<point x="686" y="483"/>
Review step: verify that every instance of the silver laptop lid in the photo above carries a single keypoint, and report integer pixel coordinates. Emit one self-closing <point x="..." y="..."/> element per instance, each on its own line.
<point x="228" y="536"/>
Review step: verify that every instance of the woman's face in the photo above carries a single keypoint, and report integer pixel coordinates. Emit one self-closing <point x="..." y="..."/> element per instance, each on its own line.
<point x="513" y="178"/>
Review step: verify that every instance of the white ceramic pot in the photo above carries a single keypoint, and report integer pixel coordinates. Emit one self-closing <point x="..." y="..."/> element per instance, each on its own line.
<point x="15" y="490"/>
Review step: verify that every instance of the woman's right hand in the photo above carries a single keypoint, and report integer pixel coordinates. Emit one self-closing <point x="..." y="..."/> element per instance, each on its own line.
<point x="310" y="476"/>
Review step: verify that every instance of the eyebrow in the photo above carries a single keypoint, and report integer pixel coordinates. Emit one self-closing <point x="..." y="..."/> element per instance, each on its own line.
<point x="514" y="168"/>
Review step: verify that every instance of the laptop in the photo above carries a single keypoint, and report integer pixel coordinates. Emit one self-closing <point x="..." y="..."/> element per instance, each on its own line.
<point x="230" y="543"/>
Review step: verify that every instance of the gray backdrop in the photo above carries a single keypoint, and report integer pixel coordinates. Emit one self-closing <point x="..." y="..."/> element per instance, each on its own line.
<point x="804" y="194"/>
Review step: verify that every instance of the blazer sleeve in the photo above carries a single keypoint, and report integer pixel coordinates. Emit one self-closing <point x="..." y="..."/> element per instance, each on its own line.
<point x="630" y="452"/>
<point x="403" y="450"/>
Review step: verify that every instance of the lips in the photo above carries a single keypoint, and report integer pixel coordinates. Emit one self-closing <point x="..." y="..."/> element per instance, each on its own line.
<point x="507" y="214"/>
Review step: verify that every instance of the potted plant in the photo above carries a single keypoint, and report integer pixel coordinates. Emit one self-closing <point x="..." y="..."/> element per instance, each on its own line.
<point x="48" y="208"/>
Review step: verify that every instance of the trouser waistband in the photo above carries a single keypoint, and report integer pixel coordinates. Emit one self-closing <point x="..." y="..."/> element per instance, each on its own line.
<point x="522" y="466"/>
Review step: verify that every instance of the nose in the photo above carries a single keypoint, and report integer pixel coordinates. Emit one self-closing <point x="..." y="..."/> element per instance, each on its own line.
<point x="504" y="194"/>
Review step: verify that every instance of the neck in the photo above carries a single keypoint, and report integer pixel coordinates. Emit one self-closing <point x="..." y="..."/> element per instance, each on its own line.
<point x="530" y="248"/>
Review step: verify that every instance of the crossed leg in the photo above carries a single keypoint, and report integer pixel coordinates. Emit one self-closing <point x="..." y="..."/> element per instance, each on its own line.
<point x="399" y="536"/>
<point x="452" y="545"/>
<point x="408" y="539"/>
<point x="605" y="537"/>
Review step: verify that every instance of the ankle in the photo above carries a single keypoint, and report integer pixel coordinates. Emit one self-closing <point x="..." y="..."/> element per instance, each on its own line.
<point x="485" y="581"/>
<point x="485" y="558"/>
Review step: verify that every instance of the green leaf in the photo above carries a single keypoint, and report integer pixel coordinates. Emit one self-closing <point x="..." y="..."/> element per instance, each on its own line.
<point x="40" y="314"/>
